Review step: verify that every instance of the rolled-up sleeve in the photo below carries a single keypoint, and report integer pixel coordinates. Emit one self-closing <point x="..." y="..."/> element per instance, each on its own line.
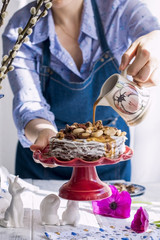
<point x="28" y="102"/>
<point x="138" y="20"/>
<point x="124" y="22"/>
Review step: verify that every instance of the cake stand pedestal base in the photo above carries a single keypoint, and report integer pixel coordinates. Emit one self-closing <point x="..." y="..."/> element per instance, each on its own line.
<point x="84" y="185"/>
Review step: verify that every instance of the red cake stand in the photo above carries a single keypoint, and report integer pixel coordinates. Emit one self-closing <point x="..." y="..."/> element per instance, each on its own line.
<point x="84" y="184"/>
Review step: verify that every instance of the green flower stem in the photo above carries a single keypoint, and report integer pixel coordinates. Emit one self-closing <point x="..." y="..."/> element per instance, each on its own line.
<point x="149" y="203"/>
<point x="156" y="222"/>
<point x="157" y="225"/>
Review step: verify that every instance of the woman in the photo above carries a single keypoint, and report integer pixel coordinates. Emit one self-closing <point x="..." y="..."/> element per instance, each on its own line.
<point x="59" y="72"/>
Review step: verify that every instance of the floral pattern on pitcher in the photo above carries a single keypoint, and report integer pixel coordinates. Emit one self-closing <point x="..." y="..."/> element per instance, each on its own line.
<point x="127" y="99"/>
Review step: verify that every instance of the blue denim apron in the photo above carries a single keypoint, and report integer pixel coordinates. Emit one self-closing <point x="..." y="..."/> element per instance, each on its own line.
<point x="73" y="102"/>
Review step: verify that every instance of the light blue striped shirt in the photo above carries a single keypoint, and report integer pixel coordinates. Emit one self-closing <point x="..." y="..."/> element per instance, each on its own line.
<point x="123" y="20"/>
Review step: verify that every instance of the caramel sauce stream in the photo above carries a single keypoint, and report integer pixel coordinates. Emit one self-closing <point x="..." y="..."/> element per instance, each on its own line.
<point x="94" y="109"/>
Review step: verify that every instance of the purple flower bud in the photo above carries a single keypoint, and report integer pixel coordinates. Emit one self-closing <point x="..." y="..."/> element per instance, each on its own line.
<point x="140" y="222"/>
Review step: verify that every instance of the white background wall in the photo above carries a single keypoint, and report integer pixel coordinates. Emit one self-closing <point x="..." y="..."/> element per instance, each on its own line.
<point x="8" y="132"/>
<point x="146" y="140"/>
<point x="146" y="144"/>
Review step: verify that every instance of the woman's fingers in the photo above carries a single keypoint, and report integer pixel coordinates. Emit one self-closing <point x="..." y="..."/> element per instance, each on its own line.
<point x="41" y="142"/>
<point x="139" y="63"/>
<point x="45" y="164"/>
<point x="146" y="71"/>
<point x="153" y="80"/>
<point x="128" y="56"/>
<point x="43" y="139"/>
<point x="144" y="55"/>
<point x="48" y="165"/>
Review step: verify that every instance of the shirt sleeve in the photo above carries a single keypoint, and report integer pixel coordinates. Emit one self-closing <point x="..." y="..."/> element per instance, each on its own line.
<point x="124" y="21"/>
<point x="138" y="20"/>
<point x="28" y="102"/>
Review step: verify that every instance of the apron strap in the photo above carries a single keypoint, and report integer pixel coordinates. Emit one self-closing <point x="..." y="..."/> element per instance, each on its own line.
<point x="99" y="27"/>
<point x="46" y="53"/>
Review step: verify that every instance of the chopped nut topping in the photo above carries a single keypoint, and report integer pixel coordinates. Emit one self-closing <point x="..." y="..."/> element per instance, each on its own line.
<point x="89" y="132"/>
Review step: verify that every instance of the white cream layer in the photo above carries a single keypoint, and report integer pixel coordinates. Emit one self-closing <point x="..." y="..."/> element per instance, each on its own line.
<point x="87" y="150"/>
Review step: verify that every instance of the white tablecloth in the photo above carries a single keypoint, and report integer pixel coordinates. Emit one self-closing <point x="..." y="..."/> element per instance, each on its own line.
<point x="90" y="226"/>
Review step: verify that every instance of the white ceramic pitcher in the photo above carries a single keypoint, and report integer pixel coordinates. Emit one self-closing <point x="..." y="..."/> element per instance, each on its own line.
<point x="125" y="97"/>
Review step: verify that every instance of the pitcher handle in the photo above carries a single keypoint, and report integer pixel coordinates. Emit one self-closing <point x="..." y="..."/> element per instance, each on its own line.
<point x="124" y="72"/>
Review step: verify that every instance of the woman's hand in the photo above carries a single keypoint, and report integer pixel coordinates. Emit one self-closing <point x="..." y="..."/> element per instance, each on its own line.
<point x="39" y="131"/>
<point x="41" y="142"/>
<point x="145" y="52"/>
<point x="43" y="139"/>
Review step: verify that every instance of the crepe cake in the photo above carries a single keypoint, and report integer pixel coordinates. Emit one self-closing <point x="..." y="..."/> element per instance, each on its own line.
<point x="88" y="142"/>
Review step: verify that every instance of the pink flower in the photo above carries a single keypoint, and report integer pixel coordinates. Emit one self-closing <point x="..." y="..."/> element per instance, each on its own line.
<point x="118" y="205"/>
<point x="141" y="221"/>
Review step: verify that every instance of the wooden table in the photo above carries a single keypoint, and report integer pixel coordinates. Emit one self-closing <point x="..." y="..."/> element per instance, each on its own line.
<point x="91" y="226"/>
